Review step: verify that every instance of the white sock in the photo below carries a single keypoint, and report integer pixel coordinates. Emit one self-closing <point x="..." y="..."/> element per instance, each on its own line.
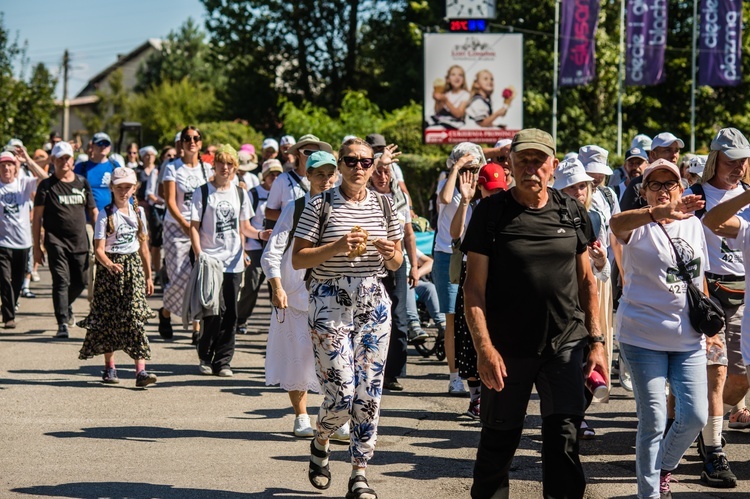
<point x="712" y="431"/>
<point x="26" y="282"/>
<point x="320" y="461"/>
<point x="454" y="376"/>
<point x="358" y="485"/>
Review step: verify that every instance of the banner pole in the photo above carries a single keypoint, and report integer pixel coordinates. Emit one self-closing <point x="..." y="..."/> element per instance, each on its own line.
<point x="619" y="78"/>
<point x="555" y="71"/>
<point x="692" y="79"/>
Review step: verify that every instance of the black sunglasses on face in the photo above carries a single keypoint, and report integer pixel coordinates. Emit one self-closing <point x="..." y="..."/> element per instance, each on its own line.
<point x="192" y="138"/>
<point x="308" y="152"/>
<point x="351" y="162"/>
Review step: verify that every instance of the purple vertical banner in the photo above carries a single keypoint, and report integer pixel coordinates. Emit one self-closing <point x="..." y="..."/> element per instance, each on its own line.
<point x="720" y="43"/>
<point x="646" y="39"/>
<point x="577" y="29"/>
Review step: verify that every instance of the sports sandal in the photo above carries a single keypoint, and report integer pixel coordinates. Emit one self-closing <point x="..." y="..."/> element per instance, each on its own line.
<point x="316" y="471"/>
<point x="360" y="491"/>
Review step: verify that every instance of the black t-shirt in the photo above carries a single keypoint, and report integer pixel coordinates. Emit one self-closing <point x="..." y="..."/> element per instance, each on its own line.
<point x="532" y="286"/>
<point x="65" y="205"/>
<point x="631" y="198"/>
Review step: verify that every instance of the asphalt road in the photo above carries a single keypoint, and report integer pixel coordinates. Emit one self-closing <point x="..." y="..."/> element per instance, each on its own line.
<point x="65" y="434"/>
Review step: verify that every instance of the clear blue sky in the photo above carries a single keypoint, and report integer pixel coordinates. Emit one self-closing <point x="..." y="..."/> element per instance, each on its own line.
<point x="94" y="31"/>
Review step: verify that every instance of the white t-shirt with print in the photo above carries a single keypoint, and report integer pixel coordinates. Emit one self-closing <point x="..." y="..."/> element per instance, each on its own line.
<point x="286" y="189"/>
<point x="220" y="234"/>
<point x="251" y="180"/>
<point x="445" y="217"/>
<point x="653" y="310"/>
<point x="124" y="240"/>
<point x="15" y="209"/>
<point x="186" y="180"/>
<point x="724" y="254"/>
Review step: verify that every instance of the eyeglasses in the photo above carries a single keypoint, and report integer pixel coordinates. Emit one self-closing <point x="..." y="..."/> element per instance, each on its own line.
<point x="308" y="152"/>
<point x="669" y="185"/>
<point x="352" y="162"/>
<point x="192" y="138"/>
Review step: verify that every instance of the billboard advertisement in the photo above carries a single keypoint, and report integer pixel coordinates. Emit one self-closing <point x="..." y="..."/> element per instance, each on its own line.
<point x="473" y="87"/>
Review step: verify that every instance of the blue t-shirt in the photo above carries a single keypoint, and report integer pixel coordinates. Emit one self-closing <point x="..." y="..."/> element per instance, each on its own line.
<point x="99" y="176"/>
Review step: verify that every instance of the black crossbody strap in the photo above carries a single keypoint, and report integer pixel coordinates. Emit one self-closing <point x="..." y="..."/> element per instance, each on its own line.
<point x="298" y="180"/>
<point x="681" y="267"/>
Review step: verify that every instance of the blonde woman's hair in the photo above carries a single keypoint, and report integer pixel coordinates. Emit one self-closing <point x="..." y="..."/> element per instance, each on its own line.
<point x="474" y="89"/>
<point x="447" y="78"/>
<point x="712" y="162"/>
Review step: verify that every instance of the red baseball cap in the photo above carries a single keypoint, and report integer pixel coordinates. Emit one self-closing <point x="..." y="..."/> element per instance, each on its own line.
<point x="492" y="176"/>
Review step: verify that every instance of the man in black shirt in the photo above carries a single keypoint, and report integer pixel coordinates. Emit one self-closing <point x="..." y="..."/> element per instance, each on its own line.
<point x="532" y="308"/>
<point x="60" y="207"/>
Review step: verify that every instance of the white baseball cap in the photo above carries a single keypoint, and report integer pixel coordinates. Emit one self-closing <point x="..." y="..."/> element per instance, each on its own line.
<point x="666" y="139"/>
<point x="61" y="149"/>
<point x="270" y="143"/>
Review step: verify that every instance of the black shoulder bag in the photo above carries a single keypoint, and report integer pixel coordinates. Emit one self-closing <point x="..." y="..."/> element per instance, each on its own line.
<point x="705" y="316"/>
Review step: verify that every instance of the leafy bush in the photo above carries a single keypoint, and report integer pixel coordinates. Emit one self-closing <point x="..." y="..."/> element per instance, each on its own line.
<point x="230" y="132"/>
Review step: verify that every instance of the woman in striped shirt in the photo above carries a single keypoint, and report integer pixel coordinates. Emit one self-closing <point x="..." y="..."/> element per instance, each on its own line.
<point x="350" y="237"/>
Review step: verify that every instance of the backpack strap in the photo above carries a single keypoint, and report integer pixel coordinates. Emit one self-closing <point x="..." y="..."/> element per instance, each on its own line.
<point x="608" y="196"/>
<point x="204" y="198"/>
<point x="299" y="207"/>
<point x="571" y="213"/>
<point x="255" y="197"/>
<point x="298" y="180"/>
<point x="697" y="189"/>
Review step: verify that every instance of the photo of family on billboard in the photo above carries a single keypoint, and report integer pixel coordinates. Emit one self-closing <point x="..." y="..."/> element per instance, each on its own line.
<point x="473" y="87"/>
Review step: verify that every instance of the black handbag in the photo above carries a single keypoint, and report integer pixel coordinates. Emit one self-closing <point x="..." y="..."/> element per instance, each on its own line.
<point x="706" y="317"/>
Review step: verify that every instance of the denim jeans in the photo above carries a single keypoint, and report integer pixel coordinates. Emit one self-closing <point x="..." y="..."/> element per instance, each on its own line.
<point x="686" y="373"/>
<point x="424" y="292"/>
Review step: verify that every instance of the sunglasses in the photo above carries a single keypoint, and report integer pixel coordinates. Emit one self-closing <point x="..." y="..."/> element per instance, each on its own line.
<point x="192" y="138"/>
<point x="351" y="162"/>
<point x="502" y="159"/>
<point x="308" y="152"/>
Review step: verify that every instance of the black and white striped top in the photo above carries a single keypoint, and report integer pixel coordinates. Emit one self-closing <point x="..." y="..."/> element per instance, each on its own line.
<point x="345" y="215"/>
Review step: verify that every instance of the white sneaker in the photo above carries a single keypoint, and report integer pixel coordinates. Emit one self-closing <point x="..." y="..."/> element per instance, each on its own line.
<point x="625" y="380"/>
<point x="35" y="277"/>
<point x="342" y="434"/>
<point x="302" y="427"/>
<point x="205" y="368"/>
<point x="457" y="388"/>
<point x="225" y="373"/>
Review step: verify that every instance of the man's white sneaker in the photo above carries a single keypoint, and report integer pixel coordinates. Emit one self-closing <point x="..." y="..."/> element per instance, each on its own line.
<point x="457" y="388"/>
<point x="302" y="428"/>
<point x="342" y="434"/>
<point x="205" y="368"/>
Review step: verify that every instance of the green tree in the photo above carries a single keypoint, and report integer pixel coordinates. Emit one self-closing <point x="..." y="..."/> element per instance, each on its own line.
<point x="26" y="106"/>
<point x="184" y="54"/>
<point x="305" y="50"/>
<point x="111" y="109"/>
<point x="169" y="107"/>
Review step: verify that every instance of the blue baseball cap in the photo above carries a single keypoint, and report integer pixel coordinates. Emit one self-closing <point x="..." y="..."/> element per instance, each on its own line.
<point x="636" y="152"/>
<point x="320" y="158"/>
<point x="101" y="138"/>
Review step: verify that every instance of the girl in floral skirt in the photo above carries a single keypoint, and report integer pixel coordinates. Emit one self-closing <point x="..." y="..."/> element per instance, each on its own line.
<point x="119" y="309"/>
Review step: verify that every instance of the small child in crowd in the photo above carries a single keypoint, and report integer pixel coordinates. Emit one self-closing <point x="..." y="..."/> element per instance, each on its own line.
<point x="119" y="310"/>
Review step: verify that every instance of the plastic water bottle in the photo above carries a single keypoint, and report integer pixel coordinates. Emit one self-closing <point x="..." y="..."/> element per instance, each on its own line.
<point x="716" y="356"/>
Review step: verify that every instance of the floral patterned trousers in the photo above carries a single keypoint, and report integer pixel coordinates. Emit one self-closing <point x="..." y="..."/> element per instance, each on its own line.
<point x="350" y="323"/>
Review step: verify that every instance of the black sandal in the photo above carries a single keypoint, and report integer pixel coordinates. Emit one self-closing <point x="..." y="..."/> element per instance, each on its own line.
<point x="317" y="471"/>
<point x="357" y="494"/>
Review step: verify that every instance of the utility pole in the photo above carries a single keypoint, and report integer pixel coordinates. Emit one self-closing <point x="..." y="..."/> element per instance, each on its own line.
<point x="555" y="70"/>
<point x="66" y="103"/>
